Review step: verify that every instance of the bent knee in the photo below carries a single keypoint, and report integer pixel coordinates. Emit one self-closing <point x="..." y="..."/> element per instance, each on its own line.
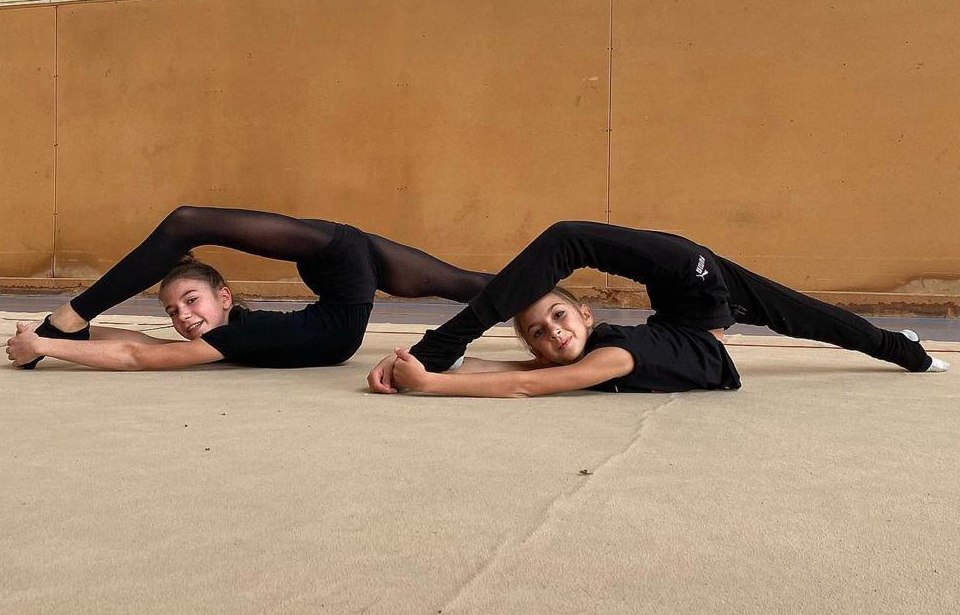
<point x="181" y="212"/>
<point x="563" y="228"/>
<point x="184" y="214"/>
<point x="182" y="220"/>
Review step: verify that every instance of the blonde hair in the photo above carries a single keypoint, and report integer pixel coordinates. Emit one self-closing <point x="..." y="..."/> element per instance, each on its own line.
<point x="559" y="291"/>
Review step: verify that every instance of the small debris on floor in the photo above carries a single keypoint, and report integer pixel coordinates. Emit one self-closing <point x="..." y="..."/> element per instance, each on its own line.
<point x="586" y="473"/>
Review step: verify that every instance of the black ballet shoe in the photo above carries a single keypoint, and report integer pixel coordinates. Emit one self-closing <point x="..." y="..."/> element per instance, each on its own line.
<point x="46" y="329"/>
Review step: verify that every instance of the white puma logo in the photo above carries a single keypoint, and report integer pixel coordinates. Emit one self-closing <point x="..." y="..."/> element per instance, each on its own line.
<point x="702" y="268"/>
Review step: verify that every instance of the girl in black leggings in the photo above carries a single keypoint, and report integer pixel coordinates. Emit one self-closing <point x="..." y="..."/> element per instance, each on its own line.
<point x="695" y="295"/>
<point x="341" y="264"/>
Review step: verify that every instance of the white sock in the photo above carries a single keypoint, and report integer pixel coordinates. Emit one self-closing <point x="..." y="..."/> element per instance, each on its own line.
<point x="938" y="365"/>
<point x="910" y="335"/>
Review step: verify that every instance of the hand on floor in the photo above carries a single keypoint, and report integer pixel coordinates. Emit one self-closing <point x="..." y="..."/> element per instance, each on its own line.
<point x="21" y="348"/>
<point x="380" y="378"/>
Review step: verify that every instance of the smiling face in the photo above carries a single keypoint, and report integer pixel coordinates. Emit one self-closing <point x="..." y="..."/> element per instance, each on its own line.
<point x="555" y="329"/>
<point x="195" y="307"/>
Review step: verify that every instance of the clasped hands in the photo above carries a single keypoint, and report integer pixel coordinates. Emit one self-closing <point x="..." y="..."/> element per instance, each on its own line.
<point x="21" y="348"/>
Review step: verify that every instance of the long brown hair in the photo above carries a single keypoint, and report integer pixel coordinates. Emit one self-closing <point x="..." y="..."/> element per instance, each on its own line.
<point x="192" y="269"/>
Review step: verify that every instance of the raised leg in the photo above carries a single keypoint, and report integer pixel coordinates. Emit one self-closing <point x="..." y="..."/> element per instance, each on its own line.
<point x="756" y="300"/>
<point x="408" y="272"/>
<point x="261" y="233"/>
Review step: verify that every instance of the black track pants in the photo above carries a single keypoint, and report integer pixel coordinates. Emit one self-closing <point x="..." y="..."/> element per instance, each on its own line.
<point x="755" y="300"/>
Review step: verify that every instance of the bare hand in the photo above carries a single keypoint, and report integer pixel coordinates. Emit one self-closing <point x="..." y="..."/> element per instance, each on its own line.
<point x="21" y="348"/>
<point x="381" y="377"/>
<point x="28" y="326"/>
<point x="408" y="372"/>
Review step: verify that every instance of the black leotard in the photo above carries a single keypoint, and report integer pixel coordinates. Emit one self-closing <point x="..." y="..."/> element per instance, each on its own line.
<point x="327" y="332"/>
<point x="666" y="358"/>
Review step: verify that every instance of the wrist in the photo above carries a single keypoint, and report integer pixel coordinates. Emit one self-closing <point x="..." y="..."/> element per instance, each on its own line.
<point x="42" y="346"/>
<point x="429" y="382"/>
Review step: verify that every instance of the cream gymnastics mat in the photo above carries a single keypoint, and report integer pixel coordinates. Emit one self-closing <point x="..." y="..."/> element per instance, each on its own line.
<point x="828" y="483"/>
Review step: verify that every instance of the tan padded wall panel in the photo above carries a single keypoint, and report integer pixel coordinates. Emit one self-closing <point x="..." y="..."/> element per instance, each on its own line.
<point x="816" y="142"/>
<point x="27" y="46"/>
<point x="461" y="128"/>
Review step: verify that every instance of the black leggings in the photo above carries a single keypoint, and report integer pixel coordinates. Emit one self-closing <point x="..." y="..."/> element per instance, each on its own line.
<point x="688" y="285"/>
<point x="397" y="269"/>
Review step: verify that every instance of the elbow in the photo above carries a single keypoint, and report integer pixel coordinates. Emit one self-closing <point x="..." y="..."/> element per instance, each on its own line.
<point x="133" y="357"/>
<point x="525" y="385"/>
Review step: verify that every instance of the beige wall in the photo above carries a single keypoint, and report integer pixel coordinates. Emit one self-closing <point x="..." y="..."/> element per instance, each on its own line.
<point x="816" y="144"/>
<point x="27" y="142"/>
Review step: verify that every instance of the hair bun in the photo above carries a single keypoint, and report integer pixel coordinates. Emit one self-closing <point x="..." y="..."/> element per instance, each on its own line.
<point x="187" y="259"/>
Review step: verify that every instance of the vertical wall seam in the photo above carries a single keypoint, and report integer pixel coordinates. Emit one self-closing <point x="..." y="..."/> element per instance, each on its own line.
<point x="56" y="130"/>
<point x="609" y="108"/>
<point x="609" y="120"/>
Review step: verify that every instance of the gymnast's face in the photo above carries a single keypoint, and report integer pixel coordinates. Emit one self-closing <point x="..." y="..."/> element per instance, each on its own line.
<point x="195" y="307"/>
<point x="555" y="329"/>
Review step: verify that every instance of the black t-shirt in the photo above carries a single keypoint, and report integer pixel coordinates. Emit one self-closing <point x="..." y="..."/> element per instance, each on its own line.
<point x="320" y="334"/>
<point x="667" y="358"/>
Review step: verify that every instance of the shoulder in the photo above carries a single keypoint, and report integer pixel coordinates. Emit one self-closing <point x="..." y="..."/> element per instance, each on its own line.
<point x="616" y="348"/>
<point x="241" y="323"/>
<point x="605" y="330"/>
<point x="606" y="335"/>
<point x="612" y="361"/>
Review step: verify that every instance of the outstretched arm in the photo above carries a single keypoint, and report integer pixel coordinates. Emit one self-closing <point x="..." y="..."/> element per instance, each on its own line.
<point x="110" y="354"/>
<point x="117" y="334"/>
<point x="472" y="365"/>
<point x="380" y="378"/>
<point x="599" y="366"/>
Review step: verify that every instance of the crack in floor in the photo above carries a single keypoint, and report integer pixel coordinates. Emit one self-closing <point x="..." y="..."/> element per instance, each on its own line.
<point x="545" y="513"/>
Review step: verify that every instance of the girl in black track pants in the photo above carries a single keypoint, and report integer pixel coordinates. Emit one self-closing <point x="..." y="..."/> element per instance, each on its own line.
<point x="341" y="264"/>
<point x="695" y="295"/>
